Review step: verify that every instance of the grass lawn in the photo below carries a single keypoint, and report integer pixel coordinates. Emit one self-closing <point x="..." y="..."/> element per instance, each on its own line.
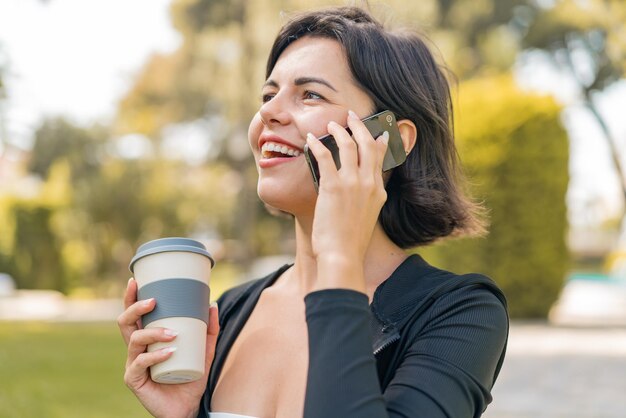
<point x="63" y="370"/>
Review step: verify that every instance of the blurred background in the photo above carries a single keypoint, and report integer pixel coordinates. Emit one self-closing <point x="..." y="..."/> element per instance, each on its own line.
<point x="125" y="121"/>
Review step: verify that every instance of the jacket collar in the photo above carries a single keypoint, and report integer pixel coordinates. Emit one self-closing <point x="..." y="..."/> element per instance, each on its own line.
<point x="394" y="299"/>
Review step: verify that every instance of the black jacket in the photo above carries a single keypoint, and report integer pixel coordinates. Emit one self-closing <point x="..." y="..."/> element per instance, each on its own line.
<point x="430" y="345"/>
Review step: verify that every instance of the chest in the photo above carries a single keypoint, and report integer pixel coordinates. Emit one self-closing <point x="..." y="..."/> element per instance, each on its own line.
<point x="264" y="374"/>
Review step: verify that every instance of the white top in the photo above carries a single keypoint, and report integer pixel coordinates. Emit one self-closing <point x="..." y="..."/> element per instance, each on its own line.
<point x="227" y="415"/>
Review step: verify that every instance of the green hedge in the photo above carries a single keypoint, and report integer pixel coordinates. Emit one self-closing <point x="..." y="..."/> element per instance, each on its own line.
<point x="515" y="154"/>
<point x="37" y="258"/>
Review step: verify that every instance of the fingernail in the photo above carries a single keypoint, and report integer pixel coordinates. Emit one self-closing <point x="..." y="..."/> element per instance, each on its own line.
<point x="385" y="137"/>
<point x="310" y="137"/>
<point x="213" y="304"/>
<point x="170" y="333"/>
<point x="147" y="302"/>
<point x="168" y="349"/>
<point x="352" y="115"/>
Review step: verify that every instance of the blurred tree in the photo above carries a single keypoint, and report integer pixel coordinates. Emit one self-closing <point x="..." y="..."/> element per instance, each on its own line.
<point x="131" y="202"/>
<point x="586" y="40"/>
<point x="57" y="139"/>
<point x="93" y="208"/>
<point x="478" y="36"/>
<point x="37" y="262"/>
<point x="34" y="250"/>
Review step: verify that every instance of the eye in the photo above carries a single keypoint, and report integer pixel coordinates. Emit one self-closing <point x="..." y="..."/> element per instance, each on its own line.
<point x="267" y="97"/>
<point x="311" y="95"/>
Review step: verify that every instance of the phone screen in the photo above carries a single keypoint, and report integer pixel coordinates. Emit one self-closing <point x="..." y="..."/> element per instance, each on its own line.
<point x="376" y="125"/>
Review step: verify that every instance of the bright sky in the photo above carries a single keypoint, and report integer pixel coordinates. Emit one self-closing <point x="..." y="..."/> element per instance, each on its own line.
<point x="77" y="58"/>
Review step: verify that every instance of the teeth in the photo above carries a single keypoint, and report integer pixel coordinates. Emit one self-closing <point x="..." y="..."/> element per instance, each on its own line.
<point x="275" y="147"/>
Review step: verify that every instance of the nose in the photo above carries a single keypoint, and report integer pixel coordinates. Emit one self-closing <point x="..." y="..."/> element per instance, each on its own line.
<point x="275" y="112"/>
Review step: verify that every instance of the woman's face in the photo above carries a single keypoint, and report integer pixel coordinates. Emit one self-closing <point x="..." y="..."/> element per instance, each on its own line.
<point x="310" y="85"/>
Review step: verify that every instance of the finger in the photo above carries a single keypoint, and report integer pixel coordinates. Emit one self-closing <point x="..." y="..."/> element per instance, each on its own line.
<point x="130" y="296"/>
<point x="348" y="150"/>
<point x="133" y="287"/>
<point x="325" y="161"/>
<point x="214" y="322"/>
<point x="364" y="140"/>
<point x="213" y="331"/>
<point x="140" y="339"/>
<point x="128" y="320"/>
<point x="382" y="143"/>
<point x="137" y="373"/>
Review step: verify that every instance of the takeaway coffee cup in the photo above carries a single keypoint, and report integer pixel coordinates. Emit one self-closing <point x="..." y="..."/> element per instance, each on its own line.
<point x="176" y="271"/>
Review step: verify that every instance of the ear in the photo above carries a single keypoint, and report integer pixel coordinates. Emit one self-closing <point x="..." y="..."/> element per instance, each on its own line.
<point x="408" y="132"/>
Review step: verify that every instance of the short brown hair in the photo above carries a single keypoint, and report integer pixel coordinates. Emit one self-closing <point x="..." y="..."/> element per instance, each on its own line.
<point x="400" y="73"/>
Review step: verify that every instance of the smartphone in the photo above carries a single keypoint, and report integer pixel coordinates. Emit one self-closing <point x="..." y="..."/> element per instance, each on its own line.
<point x="376" y="124"/>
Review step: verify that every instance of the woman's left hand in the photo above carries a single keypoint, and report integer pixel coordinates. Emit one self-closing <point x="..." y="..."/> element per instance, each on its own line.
<point x="350" y="199"/>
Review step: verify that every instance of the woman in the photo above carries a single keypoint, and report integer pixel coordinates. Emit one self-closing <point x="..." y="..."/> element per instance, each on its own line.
<point x="355" y="327"/>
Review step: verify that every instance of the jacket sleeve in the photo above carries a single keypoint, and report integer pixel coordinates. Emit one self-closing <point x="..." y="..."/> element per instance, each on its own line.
<point x="447" y="370"/>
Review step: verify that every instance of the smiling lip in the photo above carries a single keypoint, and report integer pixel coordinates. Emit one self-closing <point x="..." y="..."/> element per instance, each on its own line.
<point x="273" y="138"/>
<point x="271" y="162"/>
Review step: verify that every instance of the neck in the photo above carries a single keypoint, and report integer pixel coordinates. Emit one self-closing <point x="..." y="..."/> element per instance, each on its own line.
<point x="381" y="259"/>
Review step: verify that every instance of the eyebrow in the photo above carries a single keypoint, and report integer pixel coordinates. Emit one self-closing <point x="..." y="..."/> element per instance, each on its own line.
<point x="303" y="80"/>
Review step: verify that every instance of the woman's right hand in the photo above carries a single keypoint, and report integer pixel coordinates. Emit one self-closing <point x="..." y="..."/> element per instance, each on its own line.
<point x="161" y="400"/>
